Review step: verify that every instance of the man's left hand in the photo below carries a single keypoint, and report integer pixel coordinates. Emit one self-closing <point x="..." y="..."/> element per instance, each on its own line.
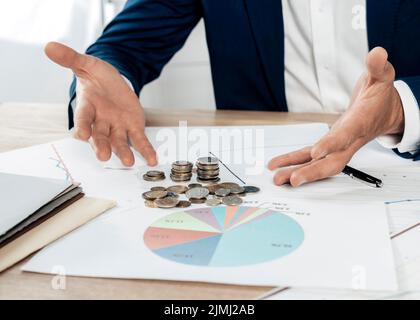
<point x="375" y="109"/>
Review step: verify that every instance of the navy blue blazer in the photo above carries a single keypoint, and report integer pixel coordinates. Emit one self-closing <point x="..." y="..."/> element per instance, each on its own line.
<point x="246" y="45"/>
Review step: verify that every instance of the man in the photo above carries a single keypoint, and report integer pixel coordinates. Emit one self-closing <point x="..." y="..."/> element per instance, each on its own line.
<point x="290" y="55"/>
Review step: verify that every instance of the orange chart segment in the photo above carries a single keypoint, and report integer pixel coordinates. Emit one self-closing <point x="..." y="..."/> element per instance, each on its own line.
<point x="230" y="213"/>
<point x="158" y="238"/>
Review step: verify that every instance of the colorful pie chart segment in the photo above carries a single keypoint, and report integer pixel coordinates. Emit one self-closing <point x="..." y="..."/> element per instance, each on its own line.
<point x="224" y="236"/>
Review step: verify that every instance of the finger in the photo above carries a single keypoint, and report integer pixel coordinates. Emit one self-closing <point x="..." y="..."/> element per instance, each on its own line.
<point x="339" y="138"/>
<point x="379" y="68"/>
<point x="289" y="159"/>
<point x="69" y="58"/>
<point x="83" y="119"/>
<point x="321" y="169"/>
<point x="101" y="143"/>
<point x="120" y="147"/>
<point x="142" y="144"/>
<point x="283" y="176"/>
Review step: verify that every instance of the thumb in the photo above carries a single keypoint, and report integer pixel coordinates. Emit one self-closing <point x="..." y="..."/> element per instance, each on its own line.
<point x="68" y="58"/>
<point x="379" y="69"/>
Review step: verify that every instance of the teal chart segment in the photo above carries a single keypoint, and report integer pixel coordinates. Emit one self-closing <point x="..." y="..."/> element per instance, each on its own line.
<point x="224" y="236"/>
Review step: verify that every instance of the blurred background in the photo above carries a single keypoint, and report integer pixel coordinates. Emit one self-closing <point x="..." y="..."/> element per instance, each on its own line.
<point x="26" y="75"/>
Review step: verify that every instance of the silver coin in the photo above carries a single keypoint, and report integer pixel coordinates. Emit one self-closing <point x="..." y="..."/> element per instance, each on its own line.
<point x="152" y="195"/>
<point x="197" y="193"/>
<point x="213" y="202"/>
<point x="222" y="192"/>
<point x="152" y="178"/>
<point x="158" y="188"/>
<point x="208" y="161"/>
<point x="232" y="201"/>
<point x="168" y="202"/>
<point x="251" y="189"/>
<point x="194" y="185"/>
<point x="182" y="163"/>
<point x="183" y="204"/>
<point x="172" y="194"/>
<point x="237" y="190"/>
<point x="155" y="173"/>
<point x="177" y="189"/>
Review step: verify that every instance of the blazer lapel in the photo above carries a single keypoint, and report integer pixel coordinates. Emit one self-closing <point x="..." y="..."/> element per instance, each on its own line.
<point x="266" y="20"/>
<point x="381" y="17"/>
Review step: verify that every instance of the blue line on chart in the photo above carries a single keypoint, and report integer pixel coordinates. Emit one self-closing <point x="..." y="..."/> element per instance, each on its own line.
<point x="400" y="201"/>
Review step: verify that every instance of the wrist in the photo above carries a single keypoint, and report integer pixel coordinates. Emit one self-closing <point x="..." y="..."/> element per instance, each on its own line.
<point x="398" y="120"/>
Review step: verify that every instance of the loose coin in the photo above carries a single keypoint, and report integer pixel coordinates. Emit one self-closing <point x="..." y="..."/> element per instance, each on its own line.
<point x="213" y="187"/>
<point x="228" y="185"/>
<point x="155" y="173"/>
<point x="153" y="178"/>
<point x="197" y="193"/>
<point x="194" y="185"/>
<point x="158" y="188"/>
<point x="172" y="194"/>
<point x="177" y="189"/>
<point x="198" y="200"/>
<point x="222" y="192"/>
<point x="237" y="190"/>
<point x="183" y="204"/>
<point x="150" y="204"/>
<point x="232" y="201"/>
<point x="168" y="202"/>
<point x="152" y="195"/>
<point x="213" y="202"/>
<point x="251" y="189"/>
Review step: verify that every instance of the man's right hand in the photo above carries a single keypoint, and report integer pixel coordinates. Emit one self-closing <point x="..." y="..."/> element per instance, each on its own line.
<point x="108" y="113"/>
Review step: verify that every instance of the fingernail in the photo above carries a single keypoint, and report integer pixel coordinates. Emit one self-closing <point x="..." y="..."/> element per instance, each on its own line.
<point x="301" y="183"/>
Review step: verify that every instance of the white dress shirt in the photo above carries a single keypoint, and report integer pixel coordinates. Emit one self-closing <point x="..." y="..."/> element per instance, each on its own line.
<point x="326" y="45"/>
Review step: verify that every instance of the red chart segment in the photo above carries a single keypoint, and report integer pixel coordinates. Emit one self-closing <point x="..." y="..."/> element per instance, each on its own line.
<point x="158" y="238"/>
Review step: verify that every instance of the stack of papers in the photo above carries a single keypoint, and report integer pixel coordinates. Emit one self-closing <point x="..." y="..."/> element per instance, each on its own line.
<point x="28" y="201"/>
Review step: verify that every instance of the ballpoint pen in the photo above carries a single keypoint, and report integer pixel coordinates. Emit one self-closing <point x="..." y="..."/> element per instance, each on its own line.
<point x="363" y="177"/>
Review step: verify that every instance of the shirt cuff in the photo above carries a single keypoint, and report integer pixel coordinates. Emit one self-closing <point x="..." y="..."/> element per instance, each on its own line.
<point x="410" y="140"/>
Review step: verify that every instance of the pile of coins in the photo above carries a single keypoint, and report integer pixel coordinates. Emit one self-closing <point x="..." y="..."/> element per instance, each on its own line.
<point x="181" y="171"/>
<point x="227" y="193"/>
<point x="154" y="175"/>
<point x="208" y="170"/>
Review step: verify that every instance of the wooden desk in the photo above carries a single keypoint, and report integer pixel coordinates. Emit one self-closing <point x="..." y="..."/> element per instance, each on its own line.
<point x="26" y="125"/>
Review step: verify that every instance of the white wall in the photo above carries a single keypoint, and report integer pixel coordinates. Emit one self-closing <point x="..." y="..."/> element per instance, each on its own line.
<point x="26" y="75"/>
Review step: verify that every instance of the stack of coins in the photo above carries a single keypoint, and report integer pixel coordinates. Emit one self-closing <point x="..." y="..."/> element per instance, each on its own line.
<point x="181" y="171"/>
<point x="154" y="175"/>
<point x="208" y="170"/>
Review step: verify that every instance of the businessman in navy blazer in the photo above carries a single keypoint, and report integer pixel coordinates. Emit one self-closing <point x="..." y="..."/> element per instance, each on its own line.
<point x="260" y="51"/>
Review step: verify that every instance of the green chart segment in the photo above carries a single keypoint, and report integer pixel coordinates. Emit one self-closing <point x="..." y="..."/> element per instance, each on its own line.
<point x="224" y="236"/>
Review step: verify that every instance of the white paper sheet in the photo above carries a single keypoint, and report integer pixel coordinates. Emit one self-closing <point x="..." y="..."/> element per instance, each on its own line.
<point x="407" y="259"/>
<point x="111" y="245"/>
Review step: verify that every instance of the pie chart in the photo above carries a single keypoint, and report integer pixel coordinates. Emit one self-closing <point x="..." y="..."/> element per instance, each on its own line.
<point x="224" y="236"/>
